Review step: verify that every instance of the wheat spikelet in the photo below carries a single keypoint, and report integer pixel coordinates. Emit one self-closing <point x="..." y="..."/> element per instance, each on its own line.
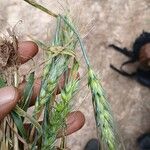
<point x="103" y="116"/>
<point x="104" y="119"/>
<point x="65" y="38"/>
<point x="59" y="114"/>
<point x="59" y="55"/>
<point x="50" y="82"/>
<point x="57" y="64"/>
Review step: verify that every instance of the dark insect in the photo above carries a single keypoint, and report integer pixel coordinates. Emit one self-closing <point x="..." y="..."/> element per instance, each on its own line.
<point x="140" y="53"/>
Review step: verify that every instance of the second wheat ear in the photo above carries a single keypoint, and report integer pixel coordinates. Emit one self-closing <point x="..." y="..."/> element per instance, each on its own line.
<point x="59" y="55"/>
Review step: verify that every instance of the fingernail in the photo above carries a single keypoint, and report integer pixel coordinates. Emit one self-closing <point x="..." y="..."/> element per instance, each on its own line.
<point x="8" y="99"/>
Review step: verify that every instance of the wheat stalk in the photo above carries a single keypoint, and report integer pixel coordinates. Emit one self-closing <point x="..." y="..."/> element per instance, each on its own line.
<point x="35" y="4"/>
<point x="103" y="116"/>
<point x="59" y="55"/>
<point x="61" y="110"/>
<point x="57" y="64"/>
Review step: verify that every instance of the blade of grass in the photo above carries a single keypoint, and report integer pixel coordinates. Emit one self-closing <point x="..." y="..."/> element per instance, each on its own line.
<point x="19" y="123"/>
<point x="27" y="92"/>
<point x="34" y="122"/>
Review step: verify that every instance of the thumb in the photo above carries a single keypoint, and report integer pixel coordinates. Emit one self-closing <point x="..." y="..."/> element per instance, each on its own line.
<point x="9" y="96"/>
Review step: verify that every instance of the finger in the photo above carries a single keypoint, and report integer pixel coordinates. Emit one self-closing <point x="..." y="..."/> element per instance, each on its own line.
<point x="27" y="50"/>
<point x="75" y="121"/>
<point x="8" y="99"/>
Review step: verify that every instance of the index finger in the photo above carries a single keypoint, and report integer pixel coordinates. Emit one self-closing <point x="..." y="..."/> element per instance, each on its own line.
<point x="27" y="50"/>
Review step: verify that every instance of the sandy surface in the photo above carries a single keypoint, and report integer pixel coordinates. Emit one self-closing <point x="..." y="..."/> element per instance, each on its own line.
<point x="109" y="21"/>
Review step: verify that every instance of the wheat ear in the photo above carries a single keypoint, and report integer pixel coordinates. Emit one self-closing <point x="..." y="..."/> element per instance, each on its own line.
<point x="61" y="110"/>
<point x="104" y="120"/>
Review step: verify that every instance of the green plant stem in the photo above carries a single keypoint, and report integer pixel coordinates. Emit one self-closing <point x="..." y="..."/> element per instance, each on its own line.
<point x="22" y="113"/>
<point x="36" y="5"/>
<point x="100" y="104"/>
<point x="79" y="39"/>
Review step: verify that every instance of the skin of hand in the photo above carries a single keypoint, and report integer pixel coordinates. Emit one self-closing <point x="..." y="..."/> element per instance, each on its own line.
<point x="9" y="96"/>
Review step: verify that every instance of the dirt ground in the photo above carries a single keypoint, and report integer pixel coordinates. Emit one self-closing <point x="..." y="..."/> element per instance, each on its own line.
<point x="101" y="22"/>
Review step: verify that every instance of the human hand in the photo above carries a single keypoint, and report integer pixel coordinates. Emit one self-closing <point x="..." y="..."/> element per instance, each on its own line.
<point x="9" y="96"/>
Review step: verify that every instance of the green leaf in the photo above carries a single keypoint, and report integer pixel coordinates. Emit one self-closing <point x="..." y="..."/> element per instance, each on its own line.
<point x="19" y="123"/>
<point x="24" y="114"/>
<point x="28" y="92"/>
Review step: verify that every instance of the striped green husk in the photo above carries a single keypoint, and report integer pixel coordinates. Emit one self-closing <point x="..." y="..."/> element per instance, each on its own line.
<point x="59" y="55"/>
<point x="104" y="119"/>
<point x="59" y="114"/>
<point x="49" y="84"/>
<point x="55" y="66"/>
<point x="103" y="116"/>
